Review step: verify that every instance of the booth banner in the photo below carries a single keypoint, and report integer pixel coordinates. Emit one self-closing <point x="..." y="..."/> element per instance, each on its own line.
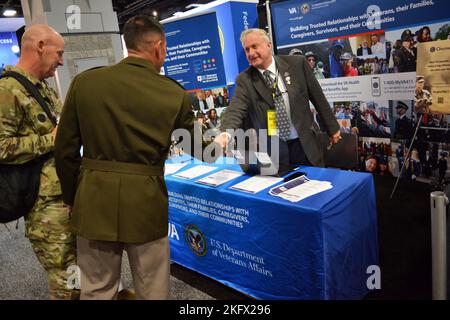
<point x="370" y="87"/>
<point x="381" y="64"/>
<point x="194" y="56"/>
<point x="9" y="49"/>
<point x="303" y="21"/>
<point x="434" y="66"/>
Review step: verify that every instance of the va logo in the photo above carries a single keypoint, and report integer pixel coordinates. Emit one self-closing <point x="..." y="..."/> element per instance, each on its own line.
<point x="196" y="240"/>
<point x="374" y="280"/>
<point x="305" y="8"/>
<point x="73" y="14"/>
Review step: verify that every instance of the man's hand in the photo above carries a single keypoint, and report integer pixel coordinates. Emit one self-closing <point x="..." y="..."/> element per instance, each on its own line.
<point x="222" y="139"/>
<point x="335" y="138"/>
<point x="55" y="129"/>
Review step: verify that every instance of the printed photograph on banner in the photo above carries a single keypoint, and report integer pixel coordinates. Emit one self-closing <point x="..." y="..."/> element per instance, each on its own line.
<point x="343" y="111"/>
<point x="340" y="57"/>
<point x="403" y="119"/>
<point x="372" y="118"/>
<point x="404" y="42"/>
<point x="374" y="156"/>
<point x="434" y="127"/>
<point x="433" y="77"/>
<point x="372" y="53"/>
<point x="427" y="163"/>
<point x="316" y="54"/>
<point x="205" y="100"/>
<point x="370" y="45"/>
<point x="423" y="99"/>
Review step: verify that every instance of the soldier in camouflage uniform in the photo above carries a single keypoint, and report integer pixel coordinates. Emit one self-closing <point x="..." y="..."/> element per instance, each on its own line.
<point x="423" y="96"/>
<point x="26" y="133"/>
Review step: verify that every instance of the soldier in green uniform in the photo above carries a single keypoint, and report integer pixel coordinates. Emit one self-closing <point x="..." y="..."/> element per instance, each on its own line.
<point x="26" y="133"/>
<point x="117" y="187"/>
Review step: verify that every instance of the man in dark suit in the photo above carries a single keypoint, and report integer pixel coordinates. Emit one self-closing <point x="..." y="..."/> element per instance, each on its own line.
<point x="363" y="50"/>
<point x="405" y="57"/>
<point x="293" y="85"/>
<point x="117" y="189"/>
<point x="403" y="125"/>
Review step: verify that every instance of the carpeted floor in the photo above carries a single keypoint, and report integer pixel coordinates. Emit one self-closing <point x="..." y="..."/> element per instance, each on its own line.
<point x="404" y="242"/>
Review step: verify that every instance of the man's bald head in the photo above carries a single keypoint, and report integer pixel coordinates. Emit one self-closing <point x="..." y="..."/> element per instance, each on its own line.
<point x="40" y="32"/>
<point x="42" y="51"/>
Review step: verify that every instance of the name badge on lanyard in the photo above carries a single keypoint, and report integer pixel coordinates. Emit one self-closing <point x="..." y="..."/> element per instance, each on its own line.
<point x="272" y="129"/>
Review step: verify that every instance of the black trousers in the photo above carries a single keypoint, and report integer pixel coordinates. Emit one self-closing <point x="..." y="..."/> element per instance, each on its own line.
<point x="292" y="153"/>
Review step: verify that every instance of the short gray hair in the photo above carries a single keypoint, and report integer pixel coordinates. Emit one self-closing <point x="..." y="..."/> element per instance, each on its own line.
<point x="261" y="32"/>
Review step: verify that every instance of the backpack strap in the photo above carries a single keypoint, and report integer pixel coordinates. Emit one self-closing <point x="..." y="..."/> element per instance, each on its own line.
<point x="31" y="88"/>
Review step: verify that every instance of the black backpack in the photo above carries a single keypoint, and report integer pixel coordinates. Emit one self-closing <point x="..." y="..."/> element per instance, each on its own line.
<point x="19" y="183"/>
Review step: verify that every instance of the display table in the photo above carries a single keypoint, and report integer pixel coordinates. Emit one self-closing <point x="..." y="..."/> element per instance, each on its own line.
<point x="270" y="248"/>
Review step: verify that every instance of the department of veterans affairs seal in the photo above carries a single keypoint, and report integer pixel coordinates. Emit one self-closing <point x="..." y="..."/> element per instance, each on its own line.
<point x="196" y="240"/>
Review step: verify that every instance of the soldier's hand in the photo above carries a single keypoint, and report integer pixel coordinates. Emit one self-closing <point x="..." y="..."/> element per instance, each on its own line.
<point x="55" y="129"/>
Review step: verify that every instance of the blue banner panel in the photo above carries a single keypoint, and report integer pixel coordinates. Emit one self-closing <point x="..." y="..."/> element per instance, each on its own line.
<point x="303" y="21"/>
<point x="194" y="56"/>
<point x="319" y="248"/>
<point x="9" y="49"/>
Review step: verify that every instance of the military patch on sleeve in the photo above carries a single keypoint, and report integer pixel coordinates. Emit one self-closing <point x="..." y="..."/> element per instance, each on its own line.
<point x="41" y="117"/>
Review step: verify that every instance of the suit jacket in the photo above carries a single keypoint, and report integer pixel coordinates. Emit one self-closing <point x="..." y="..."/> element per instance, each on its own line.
<point x="359" y="51"/>
<point x="124" y="113"/>
<point x="252" y="98"/>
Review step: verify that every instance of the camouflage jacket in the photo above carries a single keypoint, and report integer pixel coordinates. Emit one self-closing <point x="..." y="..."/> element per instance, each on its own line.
<point x="25" y="130"/>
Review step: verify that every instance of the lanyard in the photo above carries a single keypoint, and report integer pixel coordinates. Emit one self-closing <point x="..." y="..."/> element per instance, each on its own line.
<point x="275" y="85"/>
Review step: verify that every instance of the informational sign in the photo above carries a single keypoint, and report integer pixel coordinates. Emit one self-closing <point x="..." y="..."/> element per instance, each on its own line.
<point x="194" y="56"/>
<point x="433" y="65"/>
<point x="384" y="69"/>
<point x="9" y="49"/>
<point x="304" y="21"/>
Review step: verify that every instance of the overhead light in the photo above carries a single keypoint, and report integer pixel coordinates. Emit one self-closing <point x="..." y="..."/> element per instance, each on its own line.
<point x="194" y="5"/>
<point x="154" y="13"/>
<point x="9" y="12"/>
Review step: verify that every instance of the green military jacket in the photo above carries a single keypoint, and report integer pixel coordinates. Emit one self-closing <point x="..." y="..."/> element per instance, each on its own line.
<point x="121" y="114"/>
<point x="25" y="129"/>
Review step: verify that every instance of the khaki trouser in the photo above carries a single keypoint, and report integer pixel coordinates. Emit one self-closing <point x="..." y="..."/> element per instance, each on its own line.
<point x="100" y="266"/>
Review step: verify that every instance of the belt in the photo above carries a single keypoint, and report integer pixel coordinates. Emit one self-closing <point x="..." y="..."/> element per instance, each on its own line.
<point x="122" y="167"/>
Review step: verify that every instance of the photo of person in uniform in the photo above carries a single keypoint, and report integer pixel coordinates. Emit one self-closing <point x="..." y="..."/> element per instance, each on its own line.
<point x="423" y="99"/>
<point x="403" y="125"/>
<point x="405" y="57"/>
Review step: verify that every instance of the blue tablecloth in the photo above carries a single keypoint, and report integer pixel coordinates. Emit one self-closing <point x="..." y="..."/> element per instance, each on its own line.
<point x="270" y="248"/>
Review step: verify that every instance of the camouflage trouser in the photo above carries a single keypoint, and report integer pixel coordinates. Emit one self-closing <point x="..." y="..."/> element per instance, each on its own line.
<point x="47" y="227"/>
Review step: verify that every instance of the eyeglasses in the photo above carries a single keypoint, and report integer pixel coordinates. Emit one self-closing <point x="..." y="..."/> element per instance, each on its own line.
<point x="312" y="59"/>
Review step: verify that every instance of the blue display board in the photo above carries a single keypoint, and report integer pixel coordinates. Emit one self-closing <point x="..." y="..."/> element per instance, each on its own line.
<point x="8" y="43"/>
<point x="194" y="57"/>
<point x="233" y="17"/>
<point x="302" y="21"/>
